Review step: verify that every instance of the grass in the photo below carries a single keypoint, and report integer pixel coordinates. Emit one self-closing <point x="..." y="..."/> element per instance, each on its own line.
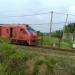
<point x="17" y="61"/>
<point x="53" y="41"/>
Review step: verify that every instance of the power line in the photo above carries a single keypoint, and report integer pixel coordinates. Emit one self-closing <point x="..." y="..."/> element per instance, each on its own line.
<point x="48" y="23"/>
<point x="27" y="15"/>
<point x="34" y="14"/>
<point x="64" y="13"/>
<point x="59" y="23"/>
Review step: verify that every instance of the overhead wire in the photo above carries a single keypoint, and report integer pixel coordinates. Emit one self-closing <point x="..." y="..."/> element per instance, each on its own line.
<point x="34" y="14"/>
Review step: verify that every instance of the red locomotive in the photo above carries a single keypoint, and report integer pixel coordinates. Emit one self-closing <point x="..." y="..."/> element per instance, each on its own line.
<point x="19" y="33"/>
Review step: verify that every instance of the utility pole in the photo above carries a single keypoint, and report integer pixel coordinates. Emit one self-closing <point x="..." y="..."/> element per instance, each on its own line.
<point x="66" y="19"/>
<point x="51" y="21"/>
<point x="65" y="23"/>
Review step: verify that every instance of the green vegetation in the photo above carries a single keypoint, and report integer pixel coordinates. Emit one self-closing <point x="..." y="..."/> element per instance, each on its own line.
<point x="55" y="42"/>
<point x="56" y="39"/>
<point x="70" y="28"/>
<point x="17" y="61"/>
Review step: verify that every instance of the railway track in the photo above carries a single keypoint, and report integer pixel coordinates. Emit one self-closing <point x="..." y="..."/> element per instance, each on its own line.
<point x="47" y="48"/>
<point x="57" y="49"/>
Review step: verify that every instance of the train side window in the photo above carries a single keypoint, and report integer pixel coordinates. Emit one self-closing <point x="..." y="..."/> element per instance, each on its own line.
<point x="23" y="30"/>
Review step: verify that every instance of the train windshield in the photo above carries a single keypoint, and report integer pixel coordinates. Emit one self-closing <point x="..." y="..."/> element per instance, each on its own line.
<point x="30" y="29"/>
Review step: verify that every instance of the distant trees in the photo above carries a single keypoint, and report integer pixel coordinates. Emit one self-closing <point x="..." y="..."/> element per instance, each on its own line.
<point x="70" y="28"/>
<point x="58" y="34"/>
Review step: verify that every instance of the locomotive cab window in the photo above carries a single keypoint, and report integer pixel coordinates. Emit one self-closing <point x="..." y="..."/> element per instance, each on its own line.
<point x="30" y="29"/>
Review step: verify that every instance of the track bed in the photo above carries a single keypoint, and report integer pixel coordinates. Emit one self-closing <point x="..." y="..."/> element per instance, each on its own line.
<point x="48" y="50"/>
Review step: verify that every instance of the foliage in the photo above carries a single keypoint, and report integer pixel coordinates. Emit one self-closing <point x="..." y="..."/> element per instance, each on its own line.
<point x="50" y="41"/>
<point x="70" y="28"/>
<point x="13" y="61"/>
<point x="58" y="34"/>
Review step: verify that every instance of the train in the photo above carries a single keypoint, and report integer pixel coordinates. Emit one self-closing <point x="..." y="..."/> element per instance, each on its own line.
<point x="19" y="33"/>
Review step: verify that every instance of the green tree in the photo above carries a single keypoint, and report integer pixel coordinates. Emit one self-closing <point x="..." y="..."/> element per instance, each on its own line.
<point x="70" y="28"/>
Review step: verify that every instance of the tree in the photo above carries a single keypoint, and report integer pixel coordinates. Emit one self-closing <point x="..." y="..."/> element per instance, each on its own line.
<point x="70" y="28"/>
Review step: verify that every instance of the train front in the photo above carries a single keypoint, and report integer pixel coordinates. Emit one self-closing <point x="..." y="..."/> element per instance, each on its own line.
<point x="32" y="36"/>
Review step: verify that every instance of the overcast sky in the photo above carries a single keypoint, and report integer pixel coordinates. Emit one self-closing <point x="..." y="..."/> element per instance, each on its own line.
<point x="23" y="7"/>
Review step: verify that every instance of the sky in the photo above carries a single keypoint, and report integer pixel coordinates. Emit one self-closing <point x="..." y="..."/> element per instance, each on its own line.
<point x="38" y="22"/>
